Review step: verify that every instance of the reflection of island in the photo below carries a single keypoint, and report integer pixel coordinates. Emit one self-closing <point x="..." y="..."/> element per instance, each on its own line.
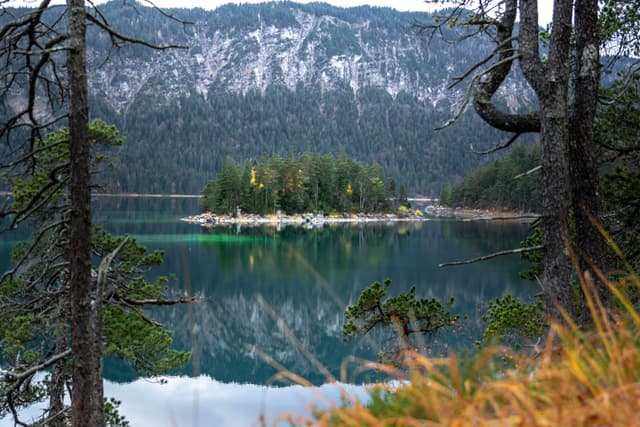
<point x="308" y="277"/>
<point x="302" y="256"/>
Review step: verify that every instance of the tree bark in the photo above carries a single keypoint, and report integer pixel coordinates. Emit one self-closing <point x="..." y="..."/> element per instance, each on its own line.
<point x="58" y="373"/>
<point x="590" y="244"/>
<point x="550" y="81"/>
<point x="98" y="312"/>
<point x="86" y="402"/>
<point x="486" y="86"/>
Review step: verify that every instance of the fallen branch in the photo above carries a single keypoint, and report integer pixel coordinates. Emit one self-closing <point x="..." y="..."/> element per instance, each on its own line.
<point x="529" y="172"/>
<point x="493" y="255"/>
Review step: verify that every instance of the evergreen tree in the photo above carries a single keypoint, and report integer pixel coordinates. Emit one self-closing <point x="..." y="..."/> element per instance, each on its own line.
<point x="35" y="313"/>
<point x="295" y="184"/>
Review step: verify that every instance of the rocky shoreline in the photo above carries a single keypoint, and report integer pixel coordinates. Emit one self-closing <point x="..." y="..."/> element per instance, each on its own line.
<point x="209" y="219"/>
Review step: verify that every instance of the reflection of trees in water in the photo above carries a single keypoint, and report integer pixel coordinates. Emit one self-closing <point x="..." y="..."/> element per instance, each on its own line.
<point x="486" y="237"/>
<point x="302" y="274"/>
<point x="300" y="254"/>
<point x="141" y="216"/>
<point x="492" y="278"/>
<point x="309" y="277"/>
<point x="227" y="327"/>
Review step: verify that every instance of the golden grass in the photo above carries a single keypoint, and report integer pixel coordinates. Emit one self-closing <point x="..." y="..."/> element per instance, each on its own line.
<point x="576" y="379"/>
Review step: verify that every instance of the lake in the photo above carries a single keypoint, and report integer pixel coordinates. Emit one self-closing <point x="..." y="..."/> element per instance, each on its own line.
<point x="275" y="298"/>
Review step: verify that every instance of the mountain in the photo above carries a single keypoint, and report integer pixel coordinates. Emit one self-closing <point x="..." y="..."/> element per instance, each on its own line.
<point x="279" y="78"/>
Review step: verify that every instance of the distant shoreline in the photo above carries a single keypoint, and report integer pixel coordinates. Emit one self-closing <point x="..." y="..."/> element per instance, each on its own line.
<point x="209" y="219"/>
<point x="135" y="195"/>
<point x="148" y="195"/>
<point x="194" y="196"/>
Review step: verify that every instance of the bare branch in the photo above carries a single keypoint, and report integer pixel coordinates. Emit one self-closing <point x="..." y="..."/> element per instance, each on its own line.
<point x="118" y="38"/>
<point x="165" y="13"/>
<point x="39" y="199"/>
<point x="529" y="172"/>
<point x="461" y="110"/>
<point x="22" y="259"/>
<point x="500" y="146"/>
<point x="46" y="51"/>
<point x="486" y="59"/>
<point x="31" y="154"/>
<point x="518" y="123"/>
<point x="493" y="255"/>
<point x="18" y="378"/>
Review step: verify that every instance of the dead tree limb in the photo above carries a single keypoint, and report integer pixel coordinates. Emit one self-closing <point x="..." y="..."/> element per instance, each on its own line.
<point x="493" y="255"/>
<point x="500" y="146"/>
<point x="529" y="172"/>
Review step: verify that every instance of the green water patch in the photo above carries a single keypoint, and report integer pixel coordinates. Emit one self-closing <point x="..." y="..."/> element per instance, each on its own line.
<point x="8" y="244"/>
<point x="221" y="239"/>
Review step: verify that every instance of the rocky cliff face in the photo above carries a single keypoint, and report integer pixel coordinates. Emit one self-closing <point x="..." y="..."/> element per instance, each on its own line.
<point x="289" y="44"/>
<point x="279" y="78"/>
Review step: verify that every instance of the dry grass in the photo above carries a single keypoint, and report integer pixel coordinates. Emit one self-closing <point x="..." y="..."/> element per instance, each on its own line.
<point x="575" y="379"/>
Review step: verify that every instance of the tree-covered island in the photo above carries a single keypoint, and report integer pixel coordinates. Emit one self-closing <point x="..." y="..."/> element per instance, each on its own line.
<point x="306" y="183"/>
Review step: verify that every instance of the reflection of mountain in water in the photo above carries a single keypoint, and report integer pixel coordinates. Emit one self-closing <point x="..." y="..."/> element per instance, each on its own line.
<point x="225" y="329"/>
<point x="307" y="277"/>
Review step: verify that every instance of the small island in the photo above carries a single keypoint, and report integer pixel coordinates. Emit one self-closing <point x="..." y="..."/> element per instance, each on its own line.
<point x="310" y="189"/>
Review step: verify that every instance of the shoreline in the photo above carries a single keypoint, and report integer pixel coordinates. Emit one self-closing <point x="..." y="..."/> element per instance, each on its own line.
<point x="209" y="219"/>
<point x="148" y="195"/>
<point x="467" y="214"/>
<point x="133" y="195"/>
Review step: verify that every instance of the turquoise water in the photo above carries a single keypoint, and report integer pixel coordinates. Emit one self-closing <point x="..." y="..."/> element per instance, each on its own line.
<point x="307" y="278"/>
<point x="271" y="298"/>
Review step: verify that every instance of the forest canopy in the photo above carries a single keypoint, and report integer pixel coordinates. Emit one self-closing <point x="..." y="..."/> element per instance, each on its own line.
<point x="495" y="186"/>
<point x="306" y="183"/>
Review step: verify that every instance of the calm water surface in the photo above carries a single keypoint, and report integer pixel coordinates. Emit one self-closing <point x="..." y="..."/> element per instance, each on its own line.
<point x="270" y="296"/>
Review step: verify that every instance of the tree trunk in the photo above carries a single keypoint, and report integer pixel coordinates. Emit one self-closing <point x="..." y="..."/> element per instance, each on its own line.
<point x="98" y="312"/>
<point x="550" y="81"/>
<point x="590" y="244"/>
<point x="86" y="403"/>
<point x="555" y="205"/>
<point x="58" y="373"/>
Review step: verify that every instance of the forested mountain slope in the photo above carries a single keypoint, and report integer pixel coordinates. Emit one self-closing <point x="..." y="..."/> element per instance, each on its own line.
<point x="510" y="183"/>
<point x="279" y="78"/>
